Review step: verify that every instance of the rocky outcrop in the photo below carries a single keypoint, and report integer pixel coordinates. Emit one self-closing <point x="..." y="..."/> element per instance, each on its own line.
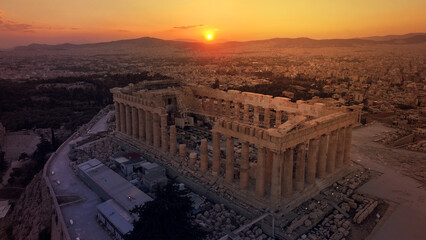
<point x="32" y="214"/>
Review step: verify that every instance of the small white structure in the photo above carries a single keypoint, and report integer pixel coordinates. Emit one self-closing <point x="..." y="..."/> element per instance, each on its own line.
<point x="153" y="175"/>
<point x="109" y="185"/>
<point x="117" y="220"/>
<point x="126" y="162"/>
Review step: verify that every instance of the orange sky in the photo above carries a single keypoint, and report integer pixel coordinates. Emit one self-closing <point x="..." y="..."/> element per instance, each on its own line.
<point x="78" y="21"/>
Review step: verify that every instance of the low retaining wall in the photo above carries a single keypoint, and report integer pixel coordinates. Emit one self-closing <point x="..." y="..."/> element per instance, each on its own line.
<point x="59" y="229"/>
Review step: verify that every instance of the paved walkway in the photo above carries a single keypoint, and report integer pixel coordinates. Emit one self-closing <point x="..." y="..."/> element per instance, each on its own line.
<point x="101" y="125"/>
<point x="408" y="220"/>
<point x="83" y="214"/>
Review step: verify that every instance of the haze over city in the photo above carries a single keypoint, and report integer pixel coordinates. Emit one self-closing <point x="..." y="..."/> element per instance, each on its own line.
<point x="24" y="22"/>
<point x="206" y="120"/>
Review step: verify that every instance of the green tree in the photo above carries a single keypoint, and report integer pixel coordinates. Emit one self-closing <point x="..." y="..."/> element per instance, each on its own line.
<point x="167" y="217"/>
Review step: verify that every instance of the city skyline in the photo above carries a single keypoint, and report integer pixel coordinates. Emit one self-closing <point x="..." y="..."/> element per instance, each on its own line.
<point x="52" y="22"/>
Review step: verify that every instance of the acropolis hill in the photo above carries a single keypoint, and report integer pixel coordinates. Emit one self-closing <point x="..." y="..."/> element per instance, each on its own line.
<point x="263" y="151"/>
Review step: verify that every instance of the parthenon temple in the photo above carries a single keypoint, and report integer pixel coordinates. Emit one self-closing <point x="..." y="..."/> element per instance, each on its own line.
<point x="265" y="151"/>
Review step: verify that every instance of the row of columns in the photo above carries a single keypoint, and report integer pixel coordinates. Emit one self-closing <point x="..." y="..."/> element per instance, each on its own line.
<point x="284" y="172"/>
<point x="288" y="171"/>
<point x="142" y="124"/>
<point x="215" y="108"/>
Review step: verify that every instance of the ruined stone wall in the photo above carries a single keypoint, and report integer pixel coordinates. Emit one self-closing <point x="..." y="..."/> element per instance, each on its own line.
<point x="260" y="100"/>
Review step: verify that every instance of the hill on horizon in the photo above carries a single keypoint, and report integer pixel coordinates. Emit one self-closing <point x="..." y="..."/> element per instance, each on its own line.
<point x="149" y="45"/>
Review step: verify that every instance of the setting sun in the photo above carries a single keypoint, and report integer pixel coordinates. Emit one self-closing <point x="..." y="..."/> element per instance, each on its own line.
<point x="209" y="36"/>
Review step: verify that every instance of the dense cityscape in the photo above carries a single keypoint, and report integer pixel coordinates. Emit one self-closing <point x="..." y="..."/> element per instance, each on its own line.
<point x="225" y="123"/>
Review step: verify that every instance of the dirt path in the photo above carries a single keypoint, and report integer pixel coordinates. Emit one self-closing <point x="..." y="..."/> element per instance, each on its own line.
<point x="401" y="181"/>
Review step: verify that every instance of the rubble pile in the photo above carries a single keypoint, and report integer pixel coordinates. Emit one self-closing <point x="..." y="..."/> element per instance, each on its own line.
<point x="86" y="127"/>
<point x="102" y="149"/>
<point x="419" y="146"/>
<point x="78" y="156"/>
<point x="331" y="214"/>
<point x="389" y="137"/>
<point x="217" y="219"/>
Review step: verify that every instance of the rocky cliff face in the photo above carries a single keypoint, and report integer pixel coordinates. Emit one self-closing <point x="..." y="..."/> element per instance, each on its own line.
<point x="31" y="216"/>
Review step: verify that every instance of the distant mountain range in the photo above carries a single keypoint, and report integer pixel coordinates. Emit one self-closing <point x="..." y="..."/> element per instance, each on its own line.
<point x="148" y="44"/>
<point x="393" y="37"/>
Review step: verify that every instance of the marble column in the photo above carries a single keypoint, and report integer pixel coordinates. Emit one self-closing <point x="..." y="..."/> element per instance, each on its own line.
<point x="322" y="156"/>
<point x="216" y="153"/>
<point x="311" y="167"/>
<point x="219" y="107"/>
<point x="331" y="153"/>
<point x="204" y="161"/>
<point x="228" y="108"/>
<point x="117" y="116"/>
<point x="278" y="118"/>
<point x="268" y="166"/>
<point x="244" y="166"/>
<point x="128" y="120"/>
<point x="348" y="142"/>
<point x="340" y="148"/>
<point x="141" y="118"/>
<point x="276" y="184"/>
<point x="164" y="135"/>
<point x="203" y="103"/>
<point x="229" y="173"/>
<point x="267" y="118"/>
<point x="260" y="172"/>
<point x="212" y="108"/>
<point x="182" y="151"/>
<point x="156" y="129"/>
<point x="237" y="110"/>
<point x="135" y="123"/>
<point x="192" y="159"/>
<point x="299" y="174"/>
<point x="288" y="173"/>
<point x="256" y="113"/>
<point x="122" y="118"/>
<point x="148" y="129"/>
<point x="246" y="116"/>
<point x="173" y="142"/>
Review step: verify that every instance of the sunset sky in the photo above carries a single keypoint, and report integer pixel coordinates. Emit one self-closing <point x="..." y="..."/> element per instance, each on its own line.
<point x="79" y="21"/>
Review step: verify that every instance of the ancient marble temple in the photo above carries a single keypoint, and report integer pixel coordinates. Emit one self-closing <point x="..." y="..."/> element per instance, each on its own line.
<point x="268" y="148"/>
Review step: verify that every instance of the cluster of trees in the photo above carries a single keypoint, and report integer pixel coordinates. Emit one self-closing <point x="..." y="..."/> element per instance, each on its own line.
<point x="279" y="84"/>
<point x="167" y="217"/>
<point x="23" y="176"/>
<point x="24" y="105"/>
